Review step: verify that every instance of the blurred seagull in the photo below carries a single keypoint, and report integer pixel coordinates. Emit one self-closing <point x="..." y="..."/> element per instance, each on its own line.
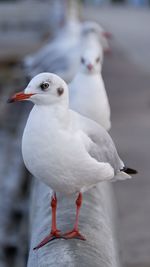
<point x="92" y="28"/>
<point x="65" y="150"/>
<point x="56" y="55"/>
<point x="62" y="55"/>
<point x="87" y="90"/>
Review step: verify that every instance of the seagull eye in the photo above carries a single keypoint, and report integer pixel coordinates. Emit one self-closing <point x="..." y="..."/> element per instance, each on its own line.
<point x="82" y="60"/>
<point x="44" y="86"/>
<point x="98" y="59"/>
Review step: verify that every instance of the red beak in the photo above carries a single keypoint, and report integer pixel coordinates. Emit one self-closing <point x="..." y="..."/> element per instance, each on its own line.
<point x="90" y="66"/>
<point x="19" y="97"/>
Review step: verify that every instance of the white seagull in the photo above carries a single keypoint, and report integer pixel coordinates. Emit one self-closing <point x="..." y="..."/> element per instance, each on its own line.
<point x="62" y="55"/>
<point x="95" y="30"/>
<point x="87" y="90"/>
<point x="65" y="150"/>
<point x="59" y="54"/>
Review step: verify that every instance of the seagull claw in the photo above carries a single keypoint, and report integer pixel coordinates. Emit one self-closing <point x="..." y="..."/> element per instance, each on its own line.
<point x="47" y="239"/>
<point x="74" y="234"/>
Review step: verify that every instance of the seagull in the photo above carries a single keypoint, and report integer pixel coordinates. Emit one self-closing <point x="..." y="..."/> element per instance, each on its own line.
<point x="59" y="54"/>
<point x="94" y="29"/>
<point x="62" y="55"/>
<point x="68" y="152"/>
<point x="87" y="94"/>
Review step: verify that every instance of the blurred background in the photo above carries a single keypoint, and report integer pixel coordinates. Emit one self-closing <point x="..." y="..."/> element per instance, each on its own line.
<point x="26" y="26"/>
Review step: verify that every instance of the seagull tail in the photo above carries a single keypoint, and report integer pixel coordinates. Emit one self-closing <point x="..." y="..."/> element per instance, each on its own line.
<point x="124" y="173"/>
<point x="129" y="170"/>
<point x="120" y="176"/>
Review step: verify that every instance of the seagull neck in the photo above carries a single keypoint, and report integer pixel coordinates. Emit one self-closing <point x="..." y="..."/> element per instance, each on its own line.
<point x="55" y="112"/>
<point x="87" y="75"/>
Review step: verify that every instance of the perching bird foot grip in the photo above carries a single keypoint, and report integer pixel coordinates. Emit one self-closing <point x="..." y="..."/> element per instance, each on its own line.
<point x="53" y="235"/>
<point x="74" y="234"/>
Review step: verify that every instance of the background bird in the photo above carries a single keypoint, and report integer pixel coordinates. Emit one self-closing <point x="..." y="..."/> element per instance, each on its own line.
<point x="62" y="55"/>
<point x="94" y="29"/>
<point x="87" y="92"/>
<point x="65" y="150"/>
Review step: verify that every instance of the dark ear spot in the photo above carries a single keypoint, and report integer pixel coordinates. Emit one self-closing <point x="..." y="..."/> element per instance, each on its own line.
<point x="98" y="59"/>
<point x="60" y="91"/>
<point x="82" y="60"/>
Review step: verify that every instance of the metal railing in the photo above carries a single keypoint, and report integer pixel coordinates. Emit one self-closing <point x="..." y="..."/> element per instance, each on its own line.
<point x="97" y="223"/>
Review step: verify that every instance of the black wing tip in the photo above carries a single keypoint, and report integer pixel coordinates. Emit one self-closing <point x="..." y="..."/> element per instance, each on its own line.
<point x="129" y="170"/>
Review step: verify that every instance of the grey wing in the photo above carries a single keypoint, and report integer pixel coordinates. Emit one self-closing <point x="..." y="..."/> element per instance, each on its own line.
<point x="101" y="147"/>
<point x="38" y="61"/>
<point x="104" y="151"/>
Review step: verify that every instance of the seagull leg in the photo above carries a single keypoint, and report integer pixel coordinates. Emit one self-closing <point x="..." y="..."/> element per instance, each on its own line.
<point x="55" y="233"/>
<point x="75" y="232"/>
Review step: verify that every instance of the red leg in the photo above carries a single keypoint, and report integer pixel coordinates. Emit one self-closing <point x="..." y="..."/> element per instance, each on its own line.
<point x="75" y="232"/>
<point x="55" y="233"/>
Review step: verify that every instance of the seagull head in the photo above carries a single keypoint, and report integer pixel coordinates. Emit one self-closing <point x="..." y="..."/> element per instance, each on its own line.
<point x="91" y="61"/>
<point x="93" y="29"/>
<point x="44" y="89"/>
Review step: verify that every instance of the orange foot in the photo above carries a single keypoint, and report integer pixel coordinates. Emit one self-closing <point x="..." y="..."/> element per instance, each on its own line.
<point x="53" y="235"/>
<point x="74" y="234"/>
